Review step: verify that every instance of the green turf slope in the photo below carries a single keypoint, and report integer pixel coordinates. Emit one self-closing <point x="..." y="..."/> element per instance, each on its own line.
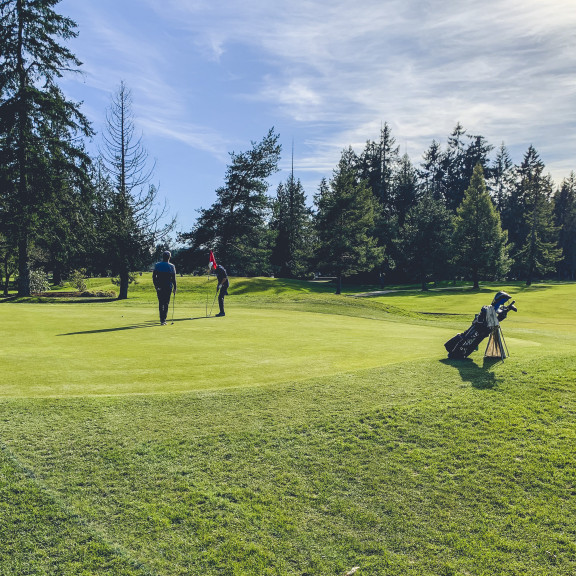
<point x="303" y="434"/>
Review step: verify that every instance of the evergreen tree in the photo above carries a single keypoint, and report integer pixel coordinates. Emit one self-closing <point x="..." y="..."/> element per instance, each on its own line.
<point x="33" y="113"/>
<point x="453" y="167"/>
<point x="345" y="222"/>
<point x="431" y="173"/>
<point x="479" y="242"/>
<point x="377" y="165"/>
<point x="291" y="223"/>
<point x="131" y="222"/>
<point x="536" y="250"/>
<point x="459" y="162"/>
<point x="235" y="226"/>
<point x="67" y="225"/>
<point x="426" y="238"/>
<point x="502" y="178"/>
<point x="477" y="152"/>
<point x="405" y="186"/>
<point x="565" y="220"/>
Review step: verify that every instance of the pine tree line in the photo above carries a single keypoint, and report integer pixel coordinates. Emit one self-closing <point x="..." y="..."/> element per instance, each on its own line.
<point x="464" y="211"/>
<point x="459" y="214"/>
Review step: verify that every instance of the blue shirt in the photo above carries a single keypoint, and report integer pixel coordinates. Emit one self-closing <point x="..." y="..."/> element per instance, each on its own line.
<point x="164" y="276"/>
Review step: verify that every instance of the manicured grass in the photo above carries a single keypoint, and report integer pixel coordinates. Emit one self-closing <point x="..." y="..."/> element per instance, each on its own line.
<point x="302" y="434"/>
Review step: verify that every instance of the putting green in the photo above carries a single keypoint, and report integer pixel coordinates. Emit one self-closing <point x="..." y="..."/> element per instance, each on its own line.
<point x="73" y="350"/>
<point x="101" y="348"/>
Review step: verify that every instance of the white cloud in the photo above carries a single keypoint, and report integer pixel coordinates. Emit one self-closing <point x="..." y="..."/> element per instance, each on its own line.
<point x="335" y="70"/>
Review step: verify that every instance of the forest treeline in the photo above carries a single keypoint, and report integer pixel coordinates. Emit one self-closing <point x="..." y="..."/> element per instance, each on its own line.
<point x="463" y="210"/>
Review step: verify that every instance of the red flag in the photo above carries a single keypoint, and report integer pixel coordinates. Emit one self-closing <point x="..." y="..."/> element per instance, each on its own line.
<point x="212" y="261"/>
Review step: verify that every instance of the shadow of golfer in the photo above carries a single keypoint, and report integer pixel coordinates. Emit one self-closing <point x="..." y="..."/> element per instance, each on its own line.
<point x="148" y="324"/>
<point x="481" y="377"/>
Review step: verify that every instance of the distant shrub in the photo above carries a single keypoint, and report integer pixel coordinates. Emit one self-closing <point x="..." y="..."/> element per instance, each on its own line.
<point x="78" y="279"/>
<point x="39" y="281"/>
<point x="99" y="293"/>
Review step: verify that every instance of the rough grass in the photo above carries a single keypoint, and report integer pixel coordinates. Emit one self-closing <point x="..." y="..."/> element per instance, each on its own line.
<point x="302" y="434"/>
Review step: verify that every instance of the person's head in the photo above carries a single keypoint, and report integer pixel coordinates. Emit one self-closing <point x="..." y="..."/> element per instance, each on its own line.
<point x="166" y="256"/>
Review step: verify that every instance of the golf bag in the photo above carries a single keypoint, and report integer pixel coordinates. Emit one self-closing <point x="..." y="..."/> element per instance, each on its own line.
<point x="486" y="323"/>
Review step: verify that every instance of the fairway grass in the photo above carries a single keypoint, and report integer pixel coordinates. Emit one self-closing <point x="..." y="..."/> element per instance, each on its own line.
<point x="302" y="434"/>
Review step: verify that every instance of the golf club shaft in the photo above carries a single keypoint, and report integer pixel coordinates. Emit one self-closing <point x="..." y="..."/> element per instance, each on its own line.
<point x="211" y="307"/>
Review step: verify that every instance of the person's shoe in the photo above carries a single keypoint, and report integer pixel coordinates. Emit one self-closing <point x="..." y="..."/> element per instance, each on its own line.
<point x="220" y="314"/>
<point x="163" y="323"/>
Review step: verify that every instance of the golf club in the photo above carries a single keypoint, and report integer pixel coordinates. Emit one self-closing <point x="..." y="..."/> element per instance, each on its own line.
<point x="173" y="305"/>
<point x="213" y="303"/>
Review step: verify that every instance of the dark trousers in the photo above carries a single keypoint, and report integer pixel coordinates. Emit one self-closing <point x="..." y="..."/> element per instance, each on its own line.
<point x="163" y="302"/>
<point x="223" y="292"/>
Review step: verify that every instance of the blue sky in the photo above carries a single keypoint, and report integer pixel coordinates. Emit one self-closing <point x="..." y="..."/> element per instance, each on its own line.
<point x="210" y="76"/>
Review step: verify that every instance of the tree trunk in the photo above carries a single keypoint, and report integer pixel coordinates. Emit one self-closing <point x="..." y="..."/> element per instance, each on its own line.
<point x="57" y="275"/>
<point x="123" y="292"/>
<point x="530" y="274"/>
<point x="339" y="283"/>
<point x="23" y="266"/>
<point x="476" y="282"/>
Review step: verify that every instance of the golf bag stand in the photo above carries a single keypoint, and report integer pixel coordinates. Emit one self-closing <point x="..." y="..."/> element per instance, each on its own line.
<point x="483" y="325"/>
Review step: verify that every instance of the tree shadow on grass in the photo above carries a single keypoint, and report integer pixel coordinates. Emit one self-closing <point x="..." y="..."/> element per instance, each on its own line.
<point x="148" y="324"/>
<point x="481" y="377"/>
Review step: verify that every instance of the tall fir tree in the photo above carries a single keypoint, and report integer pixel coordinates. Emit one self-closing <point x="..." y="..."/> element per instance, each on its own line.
<point x="377" y="165"/>
<point x="235" y="227"/>
<point x="454" y="168"/>
<point x="426" y="240"/>
<point x="67" y="229"/>
<point x="479" y="241"/>
<point x="345" y="221"/>
<point x="463" y="153"/>
<point x="33" y="113"/>
<point x="405" y="186"/>
<point x="502" y="178"/>
<point x="291" y="222"/>
<point x="477" y="153"/>
<point x="431" y="172"/>
<point x="536" y="250"/>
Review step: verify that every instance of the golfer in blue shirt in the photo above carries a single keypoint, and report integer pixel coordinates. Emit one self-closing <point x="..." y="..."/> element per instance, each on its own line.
<point x="164" y="278"/>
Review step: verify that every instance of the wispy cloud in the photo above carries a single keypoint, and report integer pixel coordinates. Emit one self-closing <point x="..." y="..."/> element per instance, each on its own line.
<point x="501" y="68"/>
<point x="208" y="73"/>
